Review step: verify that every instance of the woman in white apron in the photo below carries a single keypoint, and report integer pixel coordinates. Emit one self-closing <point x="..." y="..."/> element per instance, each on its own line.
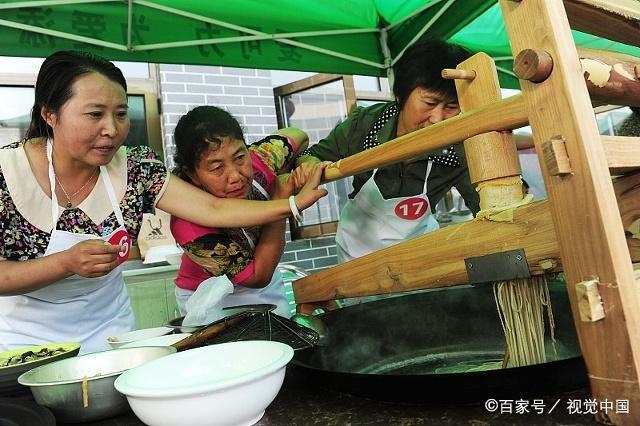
<point x="99" y="306"/>
<point x="59" y="275"/>
<point x="395" y="203"/>
<point x="368" y="222"/>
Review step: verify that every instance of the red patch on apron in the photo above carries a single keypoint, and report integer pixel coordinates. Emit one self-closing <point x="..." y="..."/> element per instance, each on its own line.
<point x="412" y="208"/>
<point x="122" y="238"/>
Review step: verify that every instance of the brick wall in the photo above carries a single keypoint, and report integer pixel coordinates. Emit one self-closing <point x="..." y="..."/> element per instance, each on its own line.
<point x="248" y="95"/>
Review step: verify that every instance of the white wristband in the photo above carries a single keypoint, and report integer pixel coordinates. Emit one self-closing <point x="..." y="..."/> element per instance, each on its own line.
<point x="294" y="210"/>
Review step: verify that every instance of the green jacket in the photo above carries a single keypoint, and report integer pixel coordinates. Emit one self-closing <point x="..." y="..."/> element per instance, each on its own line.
<point x="396" y="180"/>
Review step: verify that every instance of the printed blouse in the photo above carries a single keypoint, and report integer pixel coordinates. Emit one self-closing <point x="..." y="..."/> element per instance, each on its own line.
<point x="216" y="252"/>
<point x="137" y="174"/>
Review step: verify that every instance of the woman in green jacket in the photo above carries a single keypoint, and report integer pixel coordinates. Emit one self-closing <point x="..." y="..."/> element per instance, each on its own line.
<point x="397" y="202"/>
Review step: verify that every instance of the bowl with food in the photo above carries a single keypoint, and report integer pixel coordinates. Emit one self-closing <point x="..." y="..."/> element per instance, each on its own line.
<point x="80" y="389"/>
<point x="15" y="362"/>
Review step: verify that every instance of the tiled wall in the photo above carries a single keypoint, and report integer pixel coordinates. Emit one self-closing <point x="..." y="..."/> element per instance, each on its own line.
<point x="248" y="95"/>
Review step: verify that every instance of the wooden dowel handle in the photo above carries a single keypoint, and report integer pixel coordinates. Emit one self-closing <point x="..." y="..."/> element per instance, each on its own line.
<point x="451" y="74"/>
<point x="200" y="337"/>
<point x="533" y="65"/>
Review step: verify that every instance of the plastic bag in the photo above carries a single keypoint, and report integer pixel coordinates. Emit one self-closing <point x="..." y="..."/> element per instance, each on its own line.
<point x="205" y="304"/>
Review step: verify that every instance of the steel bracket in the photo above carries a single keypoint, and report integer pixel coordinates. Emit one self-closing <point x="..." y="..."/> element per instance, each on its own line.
<point x="502" y="266"/>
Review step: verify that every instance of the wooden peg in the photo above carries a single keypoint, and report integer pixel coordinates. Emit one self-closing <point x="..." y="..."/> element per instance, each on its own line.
<point x="533" y="65"/>
<point x="451" y="74"/>
<point x="548" y="264"/>
<point x="589" y="301"/>
<point x="555" y="156"/>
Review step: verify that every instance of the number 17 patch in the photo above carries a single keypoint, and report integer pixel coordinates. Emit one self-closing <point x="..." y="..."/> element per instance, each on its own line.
<point x="412" y="208"/>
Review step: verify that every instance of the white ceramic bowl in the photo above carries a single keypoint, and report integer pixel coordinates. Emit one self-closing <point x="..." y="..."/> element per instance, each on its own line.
<point x="166" y="340"/>
<point x="134" y="336"/>
<point x="225" y="384"/>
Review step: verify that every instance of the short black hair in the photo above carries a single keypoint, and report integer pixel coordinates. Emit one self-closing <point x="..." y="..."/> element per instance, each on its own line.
<point x="54" y="85"/>
<point x="196" y="131"/>
<point x="421" y="65"/>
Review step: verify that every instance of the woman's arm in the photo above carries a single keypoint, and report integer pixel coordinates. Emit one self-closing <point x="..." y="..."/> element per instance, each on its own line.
<point x="277" y="152"/>
<point x="297" y="136"/>
<point x="184" y="200"/>
<point x="267" y="254"/>
<point x="91" y="258"/>
<point x="270" y="246"/>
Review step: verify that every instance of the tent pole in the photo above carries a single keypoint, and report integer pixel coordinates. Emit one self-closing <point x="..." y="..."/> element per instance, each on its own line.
<point x="49" y="3"/>
<point x="60" y="34"/>
<point x="129" y="24"/>
<point x="384" y="48"/>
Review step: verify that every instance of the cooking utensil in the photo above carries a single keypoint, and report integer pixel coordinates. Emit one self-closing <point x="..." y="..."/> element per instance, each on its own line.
<point x="9" y="375"/>
<point x="233" y="384"/>
<point x="251" y="322"/>
<point x="176" y="323"/>
<point x="80" y="389"/>
<point x="314" y="323"/>
<point x="254" y="322"/>
<point x="407" y="349"/>
<point x="200" y="337"/>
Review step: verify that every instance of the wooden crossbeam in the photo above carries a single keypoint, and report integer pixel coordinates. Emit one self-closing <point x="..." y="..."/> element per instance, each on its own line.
<point x="617" y="20"/>
<point x="623" y="153"/>
<point x="435" y="259"/>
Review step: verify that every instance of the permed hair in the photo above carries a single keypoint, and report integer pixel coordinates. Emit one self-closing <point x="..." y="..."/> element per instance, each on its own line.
<point x="196" y="131"/>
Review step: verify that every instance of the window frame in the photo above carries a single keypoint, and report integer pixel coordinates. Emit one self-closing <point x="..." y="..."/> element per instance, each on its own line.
<point x="351" y="97"/>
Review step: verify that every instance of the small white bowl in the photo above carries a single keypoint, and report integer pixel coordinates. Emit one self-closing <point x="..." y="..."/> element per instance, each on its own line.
<point x="166" y="340"/>
<point x="225" y="384"/>
<point x="134" y="336"/>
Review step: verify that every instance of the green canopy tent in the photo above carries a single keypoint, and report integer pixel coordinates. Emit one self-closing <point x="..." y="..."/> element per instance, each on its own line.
<point x="362" y="37"/>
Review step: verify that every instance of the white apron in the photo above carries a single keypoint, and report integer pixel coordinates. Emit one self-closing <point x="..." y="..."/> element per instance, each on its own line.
<point x="273" y="293"/>
<point x="368" y="222"/>
<point x="85" y="310"/>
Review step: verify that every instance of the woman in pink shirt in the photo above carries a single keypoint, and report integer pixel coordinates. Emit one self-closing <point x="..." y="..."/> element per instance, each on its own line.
<point x="211" y="153"/>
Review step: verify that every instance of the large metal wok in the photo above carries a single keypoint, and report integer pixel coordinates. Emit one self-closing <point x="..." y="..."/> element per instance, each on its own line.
<point x="402" y="349"/>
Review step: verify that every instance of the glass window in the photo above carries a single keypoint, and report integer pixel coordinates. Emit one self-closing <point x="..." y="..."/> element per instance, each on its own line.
<point x="609" y="122"/>
<point x="15" y="113"/>
<point x="371" y="84"/>
<point x="317" y="110"/>
<point x="133" y="69"/>
<point x="138" y="134"/>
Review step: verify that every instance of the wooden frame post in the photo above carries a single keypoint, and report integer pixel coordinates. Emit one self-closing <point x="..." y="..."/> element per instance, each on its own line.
<point x="583" y="204"/>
